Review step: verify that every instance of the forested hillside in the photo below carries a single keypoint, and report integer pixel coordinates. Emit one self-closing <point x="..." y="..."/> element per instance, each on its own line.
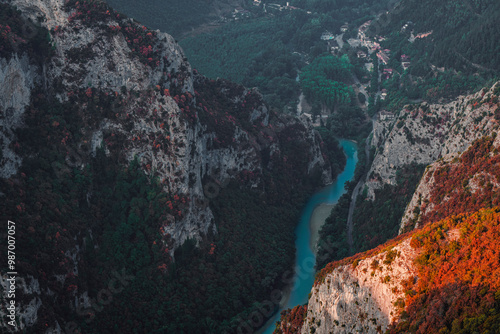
<point x="265" y="48"/>
<point x="449" y="43"/>
<point x="253" y="52"/>
<point x="119" y="161"/>
<point x="451" y="46"/>
<point x="457" y="290"/>
<point x="441" y="278"/>
<point x="450" y="285"/>
<point x="464" y="33"/>
<point x="175" y="16"/>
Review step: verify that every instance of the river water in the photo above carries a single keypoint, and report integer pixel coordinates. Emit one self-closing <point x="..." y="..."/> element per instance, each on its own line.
<point x="306" y="259"/>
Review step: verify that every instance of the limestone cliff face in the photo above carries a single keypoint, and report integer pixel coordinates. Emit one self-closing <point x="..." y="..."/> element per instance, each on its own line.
<point x="51" y="11"/>
<point x="17" y="78"/>
<point x="107" y="55"/>
<point x="366" y="295"/>
<point x="155" y="115"/>
<point x="361" y="297"/>
<point x="476" y="183"/>
<point x="424" y="133"/>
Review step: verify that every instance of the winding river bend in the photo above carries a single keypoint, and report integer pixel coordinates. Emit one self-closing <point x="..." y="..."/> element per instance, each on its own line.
<point x="313" y="216"/>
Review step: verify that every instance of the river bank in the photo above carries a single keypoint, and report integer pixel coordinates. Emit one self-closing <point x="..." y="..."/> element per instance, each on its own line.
<point x="323" y="210"/>
<point x="313" y="216"/>
<point x="318" y="218"/>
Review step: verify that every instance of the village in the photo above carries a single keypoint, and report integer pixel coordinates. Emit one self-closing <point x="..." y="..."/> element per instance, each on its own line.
<point x="365" y="46"/>
<point x="241" y="13"/>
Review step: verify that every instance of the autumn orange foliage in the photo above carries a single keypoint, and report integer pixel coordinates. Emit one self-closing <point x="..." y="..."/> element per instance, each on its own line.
<point x="291" y="320"/>
<point x="466" y="185"/>
<point x="457" y="285"/>
<point x="330" y="267"/>
<point x="457" y="288"/>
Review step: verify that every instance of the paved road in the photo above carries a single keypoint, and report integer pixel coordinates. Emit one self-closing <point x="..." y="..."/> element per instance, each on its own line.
<point x="361" y="88"/>
<point x="339" y="40"/>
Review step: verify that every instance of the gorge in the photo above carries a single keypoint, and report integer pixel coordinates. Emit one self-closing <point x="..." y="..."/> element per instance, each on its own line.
<point x="306" y="231"/>
<point x="150" y="198"/>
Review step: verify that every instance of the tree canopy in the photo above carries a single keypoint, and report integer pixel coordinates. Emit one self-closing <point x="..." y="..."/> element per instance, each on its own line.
<point x="322" y="80"/>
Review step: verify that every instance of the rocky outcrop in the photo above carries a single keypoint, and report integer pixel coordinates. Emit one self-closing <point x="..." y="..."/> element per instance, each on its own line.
<point x="28" y="309"/>
<point x="366" y="293"/>
<point x="423" y="133"/>
<point x="137" y="96"/>
<point x="430" y="282"/>
<point x="363" y="296"/>
<point x="50" y="12"/>
<point x="17" y="78"/>
<point x="111" y="55"/>
<point x="475" y="183"/>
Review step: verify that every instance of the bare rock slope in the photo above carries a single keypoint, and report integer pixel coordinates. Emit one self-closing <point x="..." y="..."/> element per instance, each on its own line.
<point x="136" y="94"/>
<point x="366" y="293"/>
<point x="424" y="133"/>
<point x="362" y="296"/>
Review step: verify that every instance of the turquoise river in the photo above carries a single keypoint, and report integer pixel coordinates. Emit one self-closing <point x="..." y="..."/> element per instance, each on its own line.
<point x="304" y="264"/>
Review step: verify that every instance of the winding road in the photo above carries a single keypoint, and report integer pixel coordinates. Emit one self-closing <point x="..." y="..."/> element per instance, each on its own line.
<point x="361" y="89"/>
<point x="339" y="40"/>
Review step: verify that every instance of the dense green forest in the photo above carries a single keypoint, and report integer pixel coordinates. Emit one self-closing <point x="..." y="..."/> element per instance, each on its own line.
<point x="174" y="16"/>
<point x="117" y="213"/>
<point x="464" y="33"/>
<point x="253" y="53"/>
<point x="451" y="44"/>
<point x="111" y="214"/>
<point x="323" y="81"/>
<point x="375" y="222"/>
<point x="265" y="49"/>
